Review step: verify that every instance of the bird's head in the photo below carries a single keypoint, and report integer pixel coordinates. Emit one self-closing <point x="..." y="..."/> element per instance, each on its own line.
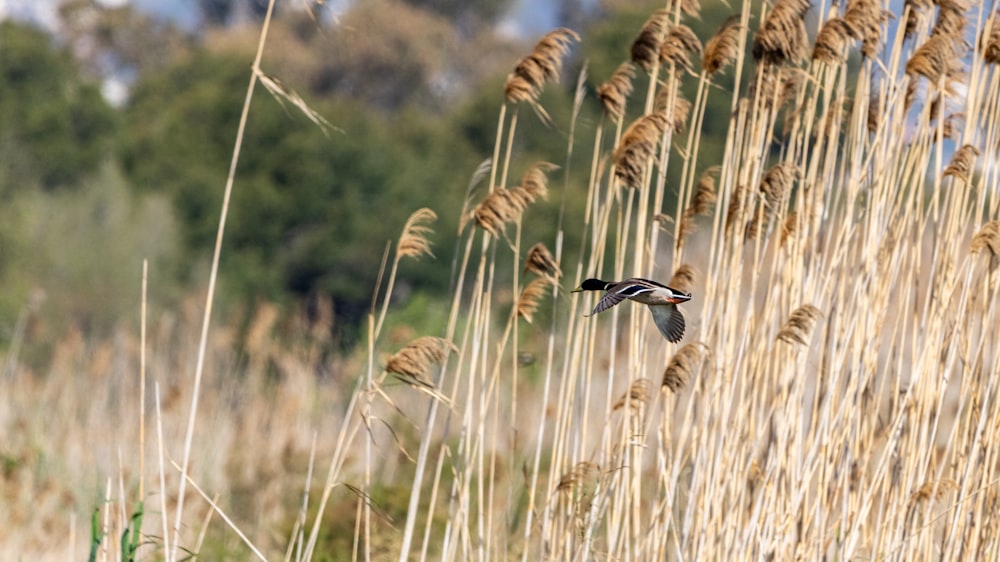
<point x="592" y="285"/>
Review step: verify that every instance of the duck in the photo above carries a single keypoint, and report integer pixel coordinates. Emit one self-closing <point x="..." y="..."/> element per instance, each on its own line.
<point x="661" y="300"/>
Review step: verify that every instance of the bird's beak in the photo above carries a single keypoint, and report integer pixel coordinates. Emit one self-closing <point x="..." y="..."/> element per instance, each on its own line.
<point x="577" y="290"/>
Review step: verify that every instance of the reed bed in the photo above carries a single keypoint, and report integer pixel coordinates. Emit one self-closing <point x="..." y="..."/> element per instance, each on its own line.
<point x="834" y="396"/>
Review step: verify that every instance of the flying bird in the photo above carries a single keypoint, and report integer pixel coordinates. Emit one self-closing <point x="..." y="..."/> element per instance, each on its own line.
<point x="661" y="300"/>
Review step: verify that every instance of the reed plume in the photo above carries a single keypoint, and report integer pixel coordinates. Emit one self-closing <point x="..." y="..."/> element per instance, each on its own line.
<point x="531" y="295"/>
<point x="683" y="278"/>
<point x="865" y="18"/>
<point x="646" y="46"/>
<point x="831" y="41"/>
<point x="679" y="44"/>
<point x="989" y="41"/>
<point x="615" y="92"/>
<point x="918" y="9"/>
<point x="413" y="243"/>
<point x="782" y="37"/>
<point x="636" y="396"/>
<point x="987" y="240"/>
<point x="506" y="205"/>
<point x="413" y="361"/>
<point x="702" y="203"/>
<point x="936" y="58"/>
<point x="677" y="113"/>
<point x="638" y="145"/>
<point x="540" y="261"/>
<point x="724" y="47"/>
<point x="799" y="325"/>
<point x="962" y="163"/>
<point x="683" y="365"/>
<point x="542" y="65"/>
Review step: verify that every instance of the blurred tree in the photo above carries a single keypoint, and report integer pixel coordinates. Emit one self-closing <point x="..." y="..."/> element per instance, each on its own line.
<point x="54" y="125"/>
<point x="225" y="12"/>
<point x="119" y="42"/>
<point x="311" y="214"/>
<point x="467" y="16"/>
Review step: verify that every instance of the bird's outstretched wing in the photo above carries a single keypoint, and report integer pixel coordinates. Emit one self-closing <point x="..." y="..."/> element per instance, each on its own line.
<point x="618" y="293"/>
<point x="669" y="320"/>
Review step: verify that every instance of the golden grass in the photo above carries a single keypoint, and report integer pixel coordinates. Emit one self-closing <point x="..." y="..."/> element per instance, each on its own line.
<point x="835" y="397"/>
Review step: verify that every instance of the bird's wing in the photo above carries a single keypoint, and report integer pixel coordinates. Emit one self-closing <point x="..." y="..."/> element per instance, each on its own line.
<point x="618" y="293"/>
<point x="669" y="320"/>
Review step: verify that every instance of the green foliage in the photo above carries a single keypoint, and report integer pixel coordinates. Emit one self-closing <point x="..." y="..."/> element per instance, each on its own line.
<point x="310" y="213"/>
<point x="54" y="125"/>
<point x="132" y="535"/>
<point x="96" y="536"/>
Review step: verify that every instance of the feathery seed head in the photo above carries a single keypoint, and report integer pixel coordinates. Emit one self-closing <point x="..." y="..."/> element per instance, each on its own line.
<point x="678" y="45"/>
<point x="646" y="47"/>
<point x="782" y="36"/>
<point x="540" y="261"/>
<point x="683" y="365"/>
<point x="636" y="397"/>
<point x="799" y="325"/>
<point x="413" y="361"/>
<point x="413" y="242"/>
<point x="616" y="90"/>
<point x="962" y="163"/>
<point x="527" y="301"/>
<point x="637" y="146"/>
<point x="989" y="41"/>
<point x="987" y="240"/>
<point x="724" y="47"/>
<point x="542" y="65"/>
<point x="683" y="278"/>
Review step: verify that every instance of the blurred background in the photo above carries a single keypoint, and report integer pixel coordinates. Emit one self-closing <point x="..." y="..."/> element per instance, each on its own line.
<point x="117" y="121"/>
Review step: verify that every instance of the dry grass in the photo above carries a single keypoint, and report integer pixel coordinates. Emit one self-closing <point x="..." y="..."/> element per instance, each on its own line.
<point x="835" y="397"/>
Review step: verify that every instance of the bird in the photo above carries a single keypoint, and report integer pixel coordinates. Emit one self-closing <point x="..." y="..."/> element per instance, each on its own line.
<point x="661" y="300"/>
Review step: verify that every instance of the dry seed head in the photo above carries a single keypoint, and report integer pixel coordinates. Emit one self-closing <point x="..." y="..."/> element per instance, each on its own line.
<point x="584" y="475"/>
<point x="542" y="65"/>
<point x="777" y="183"/>
<point x="683" y="366"/>
<point x="831" y="42"/>
<point x="614" y="93"/>
<point x="704" y="193"/>
<point x="735" y="210"/>
<point x="937" y="58"/>
<point x="413" y="242"/>
<point x="637" y="395"/>
<point x="918" y="9"/>
<point x="637" y="146"/>
<point x="646" y="47"/>
<point x="678" y="46"/>
<point x="789" y="228"/>
<point x="951" y="20"/>
<point x="723" y="48"/>
<point x="527" y="301"/>
<point x="935" y="490"/>
<point x="505" y="205"/>
<point x="799" y="325"/>
<point x="988" y="240"/>
<point x="989" y="42"/>
<point x="541" y="262"/>
<point x="962" y="162"/>
<point x="864" y="18"/>
<point x="413" y="361"/>
<point x="535" y="180"/>
<point x="702" y="202"/>
<point x="678" y="113"/>
<point x="783" y="37"/>
<point x="874" y="111"/>
<point x="690" y="8"/>
<point x="683" y="278"/>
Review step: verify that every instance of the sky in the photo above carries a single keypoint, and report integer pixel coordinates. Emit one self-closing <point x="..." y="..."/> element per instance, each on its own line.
<point x="528" y="18"/>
